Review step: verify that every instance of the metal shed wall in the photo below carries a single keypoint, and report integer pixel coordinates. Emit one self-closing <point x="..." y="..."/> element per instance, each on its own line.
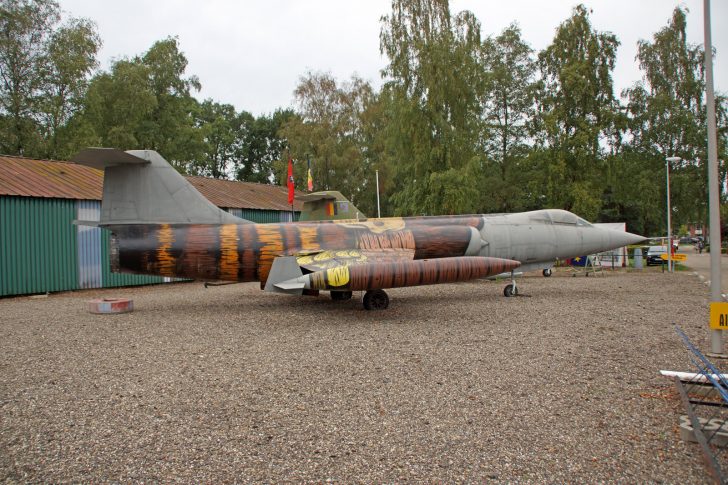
<point x="41" y="250"/>
<point x="93" y="254"/>
<point x="262" y="216"/>
<point x="89" y="245"/>
<point x="37" y="245"/>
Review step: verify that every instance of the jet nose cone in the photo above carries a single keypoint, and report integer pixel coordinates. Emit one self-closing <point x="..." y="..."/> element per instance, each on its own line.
<point x="618" y="239"/>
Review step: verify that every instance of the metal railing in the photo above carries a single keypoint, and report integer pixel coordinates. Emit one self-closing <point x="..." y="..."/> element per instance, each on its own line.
<point x="704" y="393"/>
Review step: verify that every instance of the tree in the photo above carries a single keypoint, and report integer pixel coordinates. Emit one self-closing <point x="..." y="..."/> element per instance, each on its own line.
<point x="221" y="131"/>
<point x="145" y="102"/>
<point x="668" y="118"/>
<point x="170" y="127"/>
<point x="329" y="130"/>
<point x="71" y="58"/>
<point x="509" y="108"/>
<point x="577" y="110"/>
<point x="263" y="141"/>
<point x="433" y="91"/>
<point x="43" y="73"/>
<point x="116" y="106"/>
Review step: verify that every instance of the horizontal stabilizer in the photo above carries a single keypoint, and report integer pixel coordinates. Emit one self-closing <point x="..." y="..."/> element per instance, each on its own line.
<point x="290" y="285"/>
<point x="106" y="157"/>
<point x="282" y="276"/>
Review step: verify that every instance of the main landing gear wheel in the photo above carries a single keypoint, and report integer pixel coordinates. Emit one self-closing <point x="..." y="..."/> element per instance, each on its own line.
<point x="547" y="272"/>
<point x="341" y="295"/>
<point x="376" y="300"/>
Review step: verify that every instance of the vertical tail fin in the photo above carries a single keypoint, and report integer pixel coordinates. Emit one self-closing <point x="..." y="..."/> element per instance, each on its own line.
<point x="140" y="187"/>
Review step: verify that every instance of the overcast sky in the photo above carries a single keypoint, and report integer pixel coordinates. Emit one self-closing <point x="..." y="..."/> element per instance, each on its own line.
<point x="251" y="54"/>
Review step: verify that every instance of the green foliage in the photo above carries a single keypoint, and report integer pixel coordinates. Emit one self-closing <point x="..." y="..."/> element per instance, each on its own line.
<point x="461" y="124"/>
<point x="330" y="131"/>
<point x="145" y="102"/>
<point x="508" y="115"/>
<point x="44" y="68"/>
<point x="668" y="118"/>
<point x="434" y="91"/>
<point x="577" y="108"/>
<point x="220" y="128"/>
<point x="261" y="147"/>
<point x="117" y="104"/>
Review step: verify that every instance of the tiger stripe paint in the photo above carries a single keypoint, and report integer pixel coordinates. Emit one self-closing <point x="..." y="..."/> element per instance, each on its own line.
<point x="271" y="240"/>
<point x="375" y="276"/>
<point x="197" y="260"/>
<point x="229" y="256"/>
<point x="309" y="238"/>
<point x="246" y="252"/>
<point x="165" y="261"/>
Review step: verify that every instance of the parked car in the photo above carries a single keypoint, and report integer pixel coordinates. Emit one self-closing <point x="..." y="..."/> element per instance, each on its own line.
<point x="654" y="255"/>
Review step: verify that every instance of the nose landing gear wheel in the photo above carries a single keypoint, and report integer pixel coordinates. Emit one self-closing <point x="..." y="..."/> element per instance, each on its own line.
<point x="376" y="300"/>
<point x="510" y="290"/>
<point x="547" y="272"/>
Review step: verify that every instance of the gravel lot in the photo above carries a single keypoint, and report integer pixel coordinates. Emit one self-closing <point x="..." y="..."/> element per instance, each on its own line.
<point x="451" y="383"/>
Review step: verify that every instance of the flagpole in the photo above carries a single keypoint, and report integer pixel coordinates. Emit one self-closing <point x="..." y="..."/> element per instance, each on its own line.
<point x="289" y="182"/>
<point x="379" y="214"/>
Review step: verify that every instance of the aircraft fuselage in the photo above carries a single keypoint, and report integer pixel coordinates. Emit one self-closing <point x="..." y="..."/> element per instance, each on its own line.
<point x="245" y="252"/>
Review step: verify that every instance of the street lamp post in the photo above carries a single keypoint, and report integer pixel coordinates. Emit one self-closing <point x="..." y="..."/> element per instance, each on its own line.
<point x="669" y="229"/>
<point x="716" y="336"/>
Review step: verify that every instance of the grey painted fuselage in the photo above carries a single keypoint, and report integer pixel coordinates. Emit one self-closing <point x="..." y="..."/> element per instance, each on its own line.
<point x="538" y="238"/>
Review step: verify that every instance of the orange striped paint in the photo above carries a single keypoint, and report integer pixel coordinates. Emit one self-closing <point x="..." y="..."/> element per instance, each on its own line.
<point x="229" y="258"/>
<point x="165" y="260"/>
<point x="271" y="241"/>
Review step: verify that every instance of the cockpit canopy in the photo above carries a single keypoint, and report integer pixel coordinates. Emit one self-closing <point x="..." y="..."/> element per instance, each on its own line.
<point x="557" y="217"/>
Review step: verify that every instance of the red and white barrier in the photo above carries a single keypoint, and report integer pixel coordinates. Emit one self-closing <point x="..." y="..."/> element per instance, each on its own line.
<point x="111" y="305"/>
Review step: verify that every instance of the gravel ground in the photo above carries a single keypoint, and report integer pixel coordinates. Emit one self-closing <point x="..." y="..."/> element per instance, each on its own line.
<point x="451" y="383"/>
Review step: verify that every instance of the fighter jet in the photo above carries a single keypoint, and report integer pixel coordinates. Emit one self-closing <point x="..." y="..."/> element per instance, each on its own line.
<point x="161" y="225"/>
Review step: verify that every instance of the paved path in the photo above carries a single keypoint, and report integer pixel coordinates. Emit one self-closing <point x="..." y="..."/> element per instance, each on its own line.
<point x="701" y="264"/>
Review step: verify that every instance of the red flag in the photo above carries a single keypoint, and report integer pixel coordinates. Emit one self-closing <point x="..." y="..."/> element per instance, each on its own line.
<point x="290" y="181"/>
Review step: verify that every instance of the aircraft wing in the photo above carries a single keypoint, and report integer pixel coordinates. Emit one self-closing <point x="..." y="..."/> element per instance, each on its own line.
<point x="318" y="261"/>
<point x="362" y="270"/>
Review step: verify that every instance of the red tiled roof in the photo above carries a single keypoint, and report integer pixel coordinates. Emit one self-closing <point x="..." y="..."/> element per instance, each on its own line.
<point x="26" y="177"/>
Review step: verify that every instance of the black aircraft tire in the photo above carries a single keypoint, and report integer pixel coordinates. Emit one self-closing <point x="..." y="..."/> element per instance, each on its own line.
<point x="376" y="300"/>
<point x="547" y="272"/>
<point x="341" y="295"/>
<point x="509" y="291"/>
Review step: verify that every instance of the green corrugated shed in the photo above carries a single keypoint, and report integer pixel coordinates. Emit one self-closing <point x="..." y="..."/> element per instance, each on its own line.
<point x="40" y="248"/>
<point x="37" y="245"/>
<point x="261" y="216"/>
